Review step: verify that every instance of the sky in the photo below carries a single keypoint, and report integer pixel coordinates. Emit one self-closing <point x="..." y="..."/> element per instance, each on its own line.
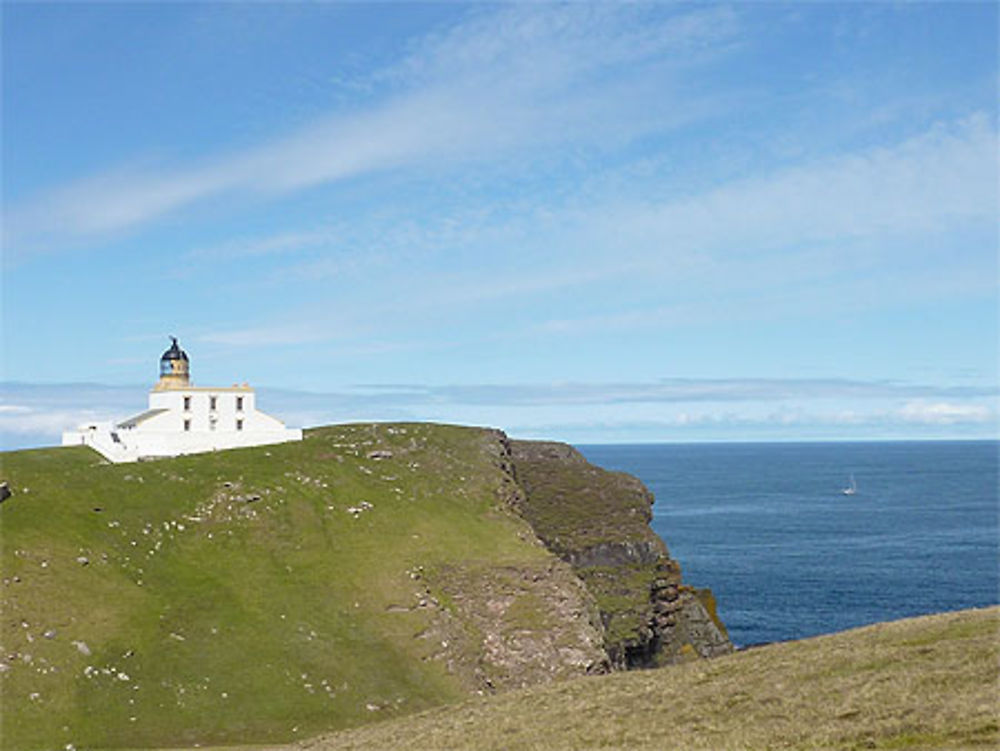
<point x="591" y="222"/>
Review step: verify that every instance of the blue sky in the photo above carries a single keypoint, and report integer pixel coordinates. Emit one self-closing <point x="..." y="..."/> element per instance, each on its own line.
<point x="588" y="222"/>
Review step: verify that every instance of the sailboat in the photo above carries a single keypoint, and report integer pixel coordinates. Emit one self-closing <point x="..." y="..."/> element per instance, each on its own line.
<point x="852" y="488"/>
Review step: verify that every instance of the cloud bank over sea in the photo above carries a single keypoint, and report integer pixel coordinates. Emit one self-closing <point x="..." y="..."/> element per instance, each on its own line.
<point x="670" y="410"/>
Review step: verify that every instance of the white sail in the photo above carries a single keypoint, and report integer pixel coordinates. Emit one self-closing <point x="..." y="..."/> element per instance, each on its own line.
<point x="852" y="488"/>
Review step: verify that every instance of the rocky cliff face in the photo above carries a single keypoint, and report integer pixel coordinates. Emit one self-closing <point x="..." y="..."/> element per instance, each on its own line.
<point x="598" y="522"/>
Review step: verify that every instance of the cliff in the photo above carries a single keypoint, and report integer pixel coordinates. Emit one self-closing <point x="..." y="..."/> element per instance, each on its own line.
<point x="598" y="522"/>
<point x="271" y="593"/>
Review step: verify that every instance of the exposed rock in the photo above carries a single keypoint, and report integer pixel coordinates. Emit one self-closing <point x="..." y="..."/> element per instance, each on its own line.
<point x="703" y="630"/>
<point x="598" y="522"/>
<point x="515" y="627"/>
<point x="618" y="553"/>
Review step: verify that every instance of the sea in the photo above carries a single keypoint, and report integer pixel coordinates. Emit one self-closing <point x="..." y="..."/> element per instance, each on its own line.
<point x="788" y="555"/>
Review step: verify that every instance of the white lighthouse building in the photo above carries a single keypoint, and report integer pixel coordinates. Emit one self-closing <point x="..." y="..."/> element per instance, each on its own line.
<point x="184" y="419"/>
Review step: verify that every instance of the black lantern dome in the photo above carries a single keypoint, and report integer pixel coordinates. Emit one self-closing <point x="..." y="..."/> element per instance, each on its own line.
<point x="175" y="352"/>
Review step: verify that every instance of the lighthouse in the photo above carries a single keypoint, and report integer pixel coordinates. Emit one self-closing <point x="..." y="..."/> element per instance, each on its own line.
<point x="184" y="419"/>
<point x="175" y="368"/>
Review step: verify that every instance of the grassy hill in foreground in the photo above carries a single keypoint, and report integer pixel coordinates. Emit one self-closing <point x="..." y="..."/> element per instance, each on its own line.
<point x="918" y="684"/>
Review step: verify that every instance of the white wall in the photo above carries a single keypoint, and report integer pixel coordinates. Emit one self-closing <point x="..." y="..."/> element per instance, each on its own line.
<point x="234" y="422"/>
<point x="230" y="406"/>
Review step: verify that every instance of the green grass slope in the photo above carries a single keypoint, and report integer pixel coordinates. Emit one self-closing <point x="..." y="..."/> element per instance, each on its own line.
<point x="259" y="594"/>
<point x="925" y="683"/>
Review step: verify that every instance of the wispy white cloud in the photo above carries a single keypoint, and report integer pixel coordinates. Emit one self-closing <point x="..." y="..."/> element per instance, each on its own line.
<point x="860" y="229"/>
<point x="30" y="421"/>
<point x="864" y="230"/>
<point x="855" y="231"/>
<point x="809" y="421"/>
<point x="942" y="177"/>
<point x="282" y="243"/>
<point x="946" y="413"/>
<point x="505" y="80"/>
<point x="672" y="391"/>
<point x="375" y="323"/>
<point x="570" y="40"/>
<point x="44" y="415"/>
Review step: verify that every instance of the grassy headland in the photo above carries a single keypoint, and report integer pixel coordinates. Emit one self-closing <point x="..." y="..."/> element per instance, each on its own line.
<point x="272" y="593"/>
<point x="265" y="593"/>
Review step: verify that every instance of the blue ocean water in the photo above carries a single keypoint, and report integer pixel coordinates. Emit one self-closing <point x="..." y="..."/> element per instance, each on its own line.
<point x="788" y="555"/>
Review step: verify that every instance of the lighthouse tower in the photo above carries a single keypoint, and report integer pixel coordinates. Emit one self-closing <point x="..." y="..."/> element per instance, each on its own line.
<point x="175" y="368"/>
<point x="184" y="419"/>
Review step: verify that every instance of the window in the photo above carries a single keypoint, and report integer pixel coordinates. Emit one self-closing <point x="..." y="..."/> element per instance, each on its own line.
<point x="239" y="425"/>
<point x="213" y="402"/>
<point x="187" y="403"/>
<point x="187" y="425"/>
<point x="239" y="404"/>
